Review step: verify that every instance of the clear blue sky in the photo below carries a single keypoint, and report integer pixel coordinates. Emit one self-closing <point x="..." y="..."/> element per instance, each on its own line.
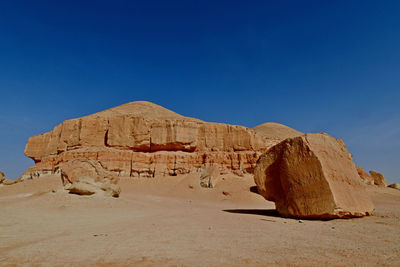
<point x="317" y="66"/>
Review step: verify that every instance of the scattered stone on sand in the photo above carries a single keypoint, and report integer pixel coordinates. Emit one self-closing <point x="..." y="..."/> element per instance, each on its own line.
<point x="395" y="186"/>
<point x="88" y="177"/>
<point x="379" y="179"/>
<point x="209" y="177"/>
<point x="5" y="181"/>
<point x="312" y="176"/>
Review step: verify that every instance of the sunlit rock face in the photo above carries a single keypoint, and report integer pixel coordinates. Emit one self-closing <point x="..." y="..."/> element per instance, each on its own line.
<point x="312" y="176"/>
<point x="142" y="139"/>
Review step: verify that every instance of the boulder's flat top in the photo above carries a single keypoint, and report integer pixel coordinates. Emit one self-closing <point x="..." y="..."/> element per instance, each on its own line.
<point x="165" y="222"/>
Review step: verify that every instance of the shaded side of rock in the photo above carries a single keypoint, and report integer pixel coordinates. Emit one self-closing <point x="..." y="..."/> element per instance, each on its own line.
<point x="312" y="176"/>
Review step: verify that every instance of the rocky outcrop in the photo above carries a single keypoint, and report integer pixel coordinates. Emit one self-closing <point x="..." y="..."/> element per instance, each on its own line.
<point x="364" y="176"/>
<point x="2" y="177"/>
<point x="141" y="139"/>
<point x="379" y="179"/>
<point x="88" y="177"/>
<point x="312" y="176"/>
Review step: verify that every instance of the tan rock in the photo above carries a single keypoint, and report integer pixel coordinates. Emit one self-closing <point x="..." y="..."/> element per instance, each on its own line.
<point x="364" y="176"/>
<point x="86" y="185"/>
<point x="395" y="186"/>
<point x="379" y="179"/>
<point x="312" y="176"/>
<point x="141" y="139"/>
<point x="88" y="177"/>
<point x="8" y="182"/>
<point x="209" y="177"/>
<point x="73" y="169"/>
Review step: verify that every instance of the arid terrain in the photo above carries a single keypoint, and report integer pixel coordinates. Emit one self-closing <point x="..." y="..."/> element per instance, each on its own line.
<point x="172" y="221"/>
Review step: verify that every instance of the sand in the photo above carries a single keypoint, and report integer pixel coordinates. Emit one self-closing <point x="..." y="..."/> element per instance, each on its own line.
<point x="171" y="221"/>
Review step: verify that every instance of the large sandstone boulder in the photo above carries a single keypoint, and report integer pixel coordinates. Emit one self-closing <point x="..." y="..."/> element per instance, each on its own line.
<point x="312" y="176"/>
<point x="141" y="139"/>
<point x="88" y="177"/>
<point x="379" y="179"/>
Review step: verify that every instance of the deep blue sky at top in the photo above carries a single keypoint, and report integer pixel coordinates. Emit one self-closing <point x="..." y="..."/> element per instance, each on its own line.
<point x="331" y="66"/>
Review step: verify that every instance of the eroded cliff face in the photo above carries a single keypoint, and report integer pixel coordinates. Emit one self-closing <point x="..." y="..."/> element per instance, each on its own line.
<point x="144" y="139"/>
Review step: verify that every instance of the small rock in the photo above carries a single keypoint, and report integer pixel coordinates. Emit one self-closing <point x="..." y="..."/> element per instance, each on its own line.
<point x="395" y="186"/>
<point x="300" y="221"/>
<point x="226" y="193"/>
<point x="209" y="177"/>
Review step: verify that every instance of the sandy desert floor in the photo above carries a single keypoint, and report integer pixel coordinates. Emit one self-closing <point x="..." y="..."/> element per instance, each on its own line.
<point x="171" y="221"/>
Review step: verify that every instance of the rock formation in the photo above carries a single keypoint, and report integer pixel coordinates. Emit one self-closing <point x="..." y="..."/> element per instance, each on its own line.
<point x="88" y="177"/>
<point x="379" y="179"/>
<point x="2" y="177"/>
<point x="141" y="139"/>
<point x="364" y="176"/>
<point x="312" y="176"/>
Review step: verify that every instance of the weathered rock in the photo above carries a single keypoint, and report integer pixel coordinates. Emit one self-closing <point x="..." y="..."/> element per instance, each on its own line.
<point x="395" y="186"/>
<point x="209" y="177"/>
<point x="364" y="176"/>
<point x="8" y="182"/>
<point x="379" y="179"/>
<point x="86" y="185"/>
<point x="312" y="176"/>
<point x="76" y="168"/>
<point x="87" y="177"/>
<point x="5" y="181"/>
<point x="141" y="139"/>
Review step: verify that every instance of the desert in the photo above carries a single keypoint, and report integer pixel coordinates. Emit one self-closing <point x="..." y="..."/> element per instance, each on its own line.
<point x="87" y="210"/>
<point x="199" y="133"/>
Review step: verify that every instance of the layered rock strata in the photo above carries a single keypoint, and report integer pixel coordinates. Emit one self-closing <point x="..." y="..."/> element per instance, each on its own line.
<point x="141" y="139"/>
<point x="312" y="176"/>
